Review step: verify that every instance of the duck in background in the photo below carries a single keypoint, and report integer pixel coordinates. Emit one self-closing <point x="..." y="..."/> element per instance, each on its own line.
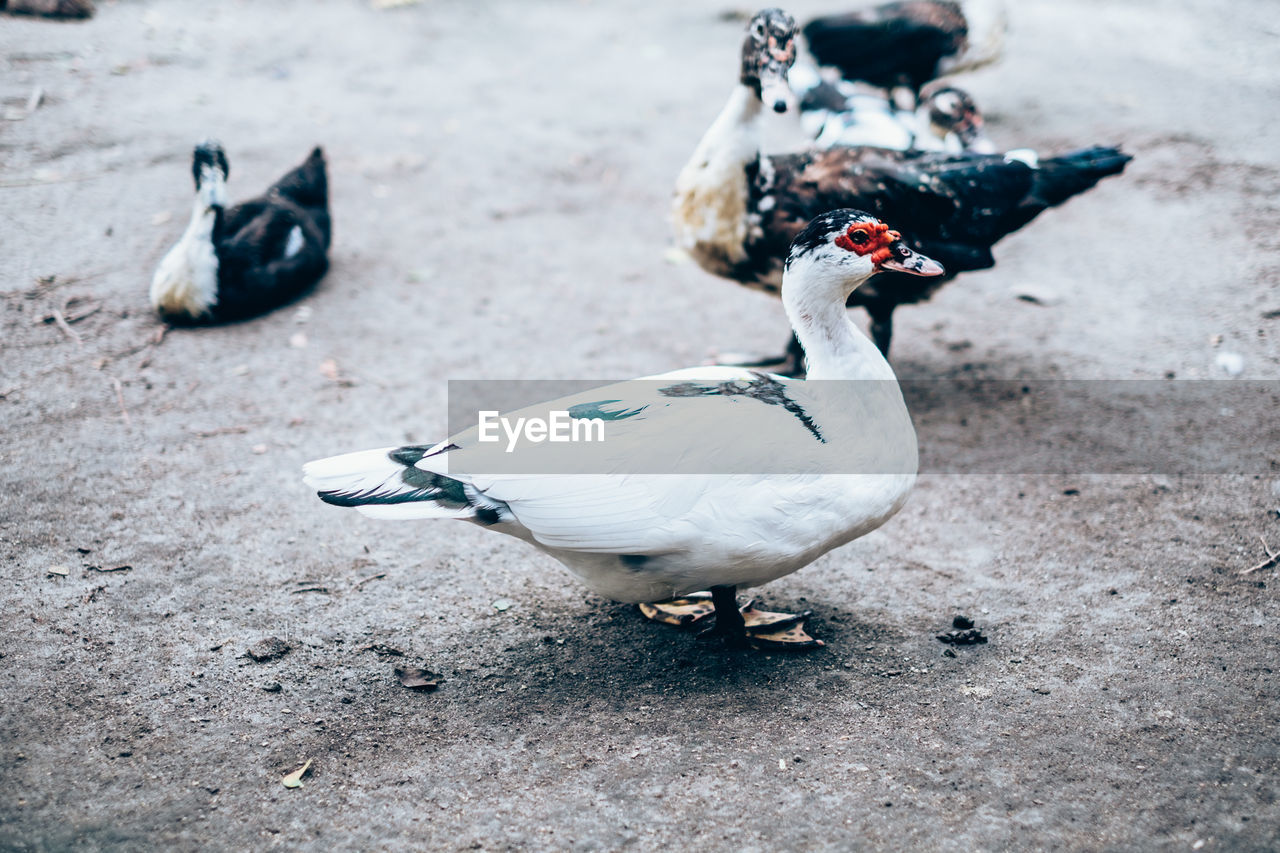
<point x="908" y="43"/>
<point x="737" y="210"/>
<point x="947" y="119"/>
<point x="232" y="264"/>
<point x="770" y="473"/>
<point x="49" y="8"/>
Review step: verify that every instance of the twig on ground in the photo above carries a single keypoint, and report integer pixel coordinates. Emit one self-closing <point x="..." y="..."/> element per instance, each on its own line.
<point x="366" y="580"/>
<point x="93" y="308"/>
<point x="152" y="346"/>
<point x="72" y="317"/>
<point x="65" y="327"/>
<point x="120" y="399"/>
<point x="227" y="430"/>
<point x="1273" y="558"/>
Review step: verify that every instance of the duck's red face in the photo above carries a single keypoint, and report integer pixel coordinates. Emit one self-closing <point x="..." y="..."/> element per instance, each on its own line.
<point x="869" y="238"/>
<point x="886" y="249"/>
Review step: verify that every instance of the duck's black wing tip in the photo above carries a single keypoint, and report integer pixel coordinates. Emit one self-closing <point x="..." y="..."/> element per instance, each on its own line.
<point x="307" y="185"/>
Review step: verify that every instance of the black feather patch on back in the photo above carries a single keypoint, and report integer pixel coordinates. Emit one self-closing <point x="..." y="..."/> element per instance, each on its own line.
<point x="763" y="388"/>
<point x="592" y="411"/>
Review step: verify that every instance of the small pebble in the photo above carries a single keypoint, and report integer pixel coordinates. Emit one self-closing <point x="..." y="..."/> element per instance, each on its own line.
<point x="268" y="648"/>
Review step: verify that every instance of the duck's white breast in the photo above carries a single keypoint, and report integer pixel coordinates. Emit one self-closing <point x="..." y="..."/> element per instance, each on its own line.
<point x="186" y="282"/>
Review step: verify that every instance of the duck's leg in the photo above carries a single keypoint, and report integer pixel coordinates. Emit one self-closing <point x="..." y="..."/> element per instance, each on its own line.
<point x="737" y="626"/>
<point x="729" y="626"/>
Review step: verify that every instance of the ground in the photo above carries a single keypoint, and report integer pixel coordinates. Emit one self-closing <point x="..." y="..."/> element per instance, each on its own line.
<point x="500" y="176"/>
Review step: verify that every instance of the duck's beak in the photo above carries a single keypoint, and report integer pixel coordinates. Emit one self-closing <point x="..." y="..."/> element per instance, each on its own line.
<point x="775" y="92"/>
<point x="905" y="260"/>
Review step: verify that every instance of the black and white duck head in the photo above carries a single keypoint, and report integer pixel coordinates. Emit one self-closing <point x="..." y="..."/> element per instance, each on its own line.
<point x="840" y="250"/>
<point x="185" y="285"/>
<point x="828" y="260"/>
<point x="768" y="51"/>
<point x="952" y="110"/>
<point x="209" y="169"/>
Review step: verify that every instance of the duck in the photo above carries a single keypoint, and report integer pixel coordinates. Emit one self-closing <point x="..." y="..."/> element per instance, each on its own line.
<point x="705" y="480"/>
<point x="909" y="43"/>
<point x="735" y="209"/>
<point x="952" y="116"/>
<point x="947" y="119"/>
<point x="49" y="8"/>
<point x="237" y="263"/>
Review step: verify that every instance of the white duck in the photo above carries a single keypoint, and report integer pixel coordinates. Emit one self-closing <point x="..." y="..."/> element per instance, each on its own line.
<point x="711" y="476"/>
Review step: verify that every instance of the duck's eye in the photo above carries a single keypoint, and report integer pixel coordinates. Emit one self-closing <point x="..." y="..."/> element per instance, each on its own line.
<point x="757" y="29"/>
<point x="858" y="236"/>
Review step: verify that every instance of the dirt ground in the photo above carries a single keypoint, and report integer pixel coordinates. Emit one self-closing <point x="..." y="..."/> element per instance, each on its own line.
<point x="500" y="174"/>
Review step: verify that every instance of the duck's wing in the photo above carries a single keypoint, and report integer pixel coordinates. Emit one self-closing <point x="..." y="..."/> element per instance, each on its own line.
<point x="992" y="196"/>
<point x="951" y="207"/>
<point x="888" y="42"/>
<point x="269" y="253"/>
<point x="307" y="186"/>
<point x="706" y="421"/>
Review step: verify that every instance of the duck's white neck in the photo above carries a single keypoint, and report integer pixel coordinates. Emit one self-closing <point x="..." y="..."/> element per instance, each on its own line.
<point x="734" y="137"/>
<point x="710" y="207"/>
<point x="211" y="198"/>
<point x="212" y="192"/>
<point x="814" y="298"/>
<point x="186" y="282"/>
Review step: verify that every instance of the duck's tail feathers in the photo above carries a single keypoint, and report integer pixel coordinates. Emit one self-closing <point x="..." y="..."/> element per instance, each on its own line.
<point x="387" y="483"/>
<point x="308" y="185"/>
<point x="1059" y="178"/>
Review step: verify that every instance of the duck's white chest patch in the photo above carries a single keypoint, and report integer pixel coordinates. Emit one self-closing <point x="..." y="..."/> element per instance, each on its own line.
<point x="186" y="282"/>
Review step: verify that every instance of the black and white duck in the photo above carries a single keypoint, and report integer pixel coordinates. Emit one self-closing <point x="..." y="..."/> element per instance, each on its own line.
<point x="947" y="118"/>
<point x="736" y="210"/>
<point x="908" y="43"/>
<point x="236" y="263"/>
<point x="770" y="473"/>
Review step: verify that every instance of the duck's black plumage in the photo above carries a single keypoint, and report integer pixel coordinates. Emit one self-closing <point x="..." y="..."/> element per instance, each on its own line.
<point x="270" y="250"/>
<point x="898" y="43"/>
<point x="951" y="207"/>
<point x="254" y="273"/>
